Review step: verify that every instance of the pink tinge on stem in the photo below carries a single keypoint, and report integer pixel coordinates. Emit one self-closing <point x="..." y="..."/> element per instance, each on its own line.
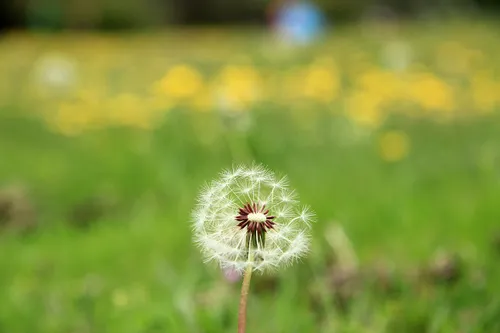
<point x="231" y="275"/>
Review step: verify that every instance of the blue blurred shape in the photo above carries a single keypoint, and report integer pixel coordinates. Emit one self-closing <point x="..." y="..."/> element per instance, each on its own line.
<point x="300" y="21"/>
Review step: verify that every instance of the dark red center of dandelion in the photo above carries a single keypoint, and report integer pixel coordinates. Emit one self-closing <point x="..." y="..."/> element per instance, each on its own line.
<point x="255" y="218"/>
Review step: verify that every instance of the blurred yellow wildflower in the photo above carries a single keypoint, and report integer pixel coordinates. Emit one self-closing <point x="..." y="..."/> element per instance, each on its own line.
<point x="365" y="109"/>
<point x="485" y="92"/>
<point x="81" y="113"/>
<point x="238" y="86"/>
<point x="393" y="146"/>
<point x="75" y="89"/>
<point x="321" y="82"/>
<point x="291" y="86"/>
<point x="387" y="85"/>
<point x="70" y="119"/>
<point x="128" y="110"/>
<point x="181" y="82"/>
<point x="431" y="93"/>
<point x="203" y="101"/>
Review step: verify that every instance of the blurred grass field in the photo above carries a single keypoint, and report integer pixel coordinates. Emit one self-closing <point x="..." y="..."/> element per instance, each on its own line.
<point x="106" y="139"/>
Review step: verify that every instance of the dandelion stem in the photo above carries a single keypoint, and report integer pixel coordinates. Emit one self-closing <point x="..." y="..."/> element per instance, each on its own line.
<point x="245" y="286"/>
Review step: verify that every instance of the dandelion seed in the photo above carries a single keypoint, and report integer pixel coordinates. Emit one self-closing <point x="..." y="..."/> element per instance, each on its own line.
<point x="249" y="220"/>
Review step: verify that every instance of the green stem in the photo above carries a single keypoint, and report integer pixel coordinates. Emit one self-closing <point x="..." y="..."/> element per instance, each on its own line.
<point x="245" y="286"/>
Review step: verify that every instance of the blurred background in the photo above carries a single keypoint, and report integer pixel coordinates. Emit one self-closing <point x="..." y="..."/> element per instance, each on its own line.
<point x="384" y="115"/>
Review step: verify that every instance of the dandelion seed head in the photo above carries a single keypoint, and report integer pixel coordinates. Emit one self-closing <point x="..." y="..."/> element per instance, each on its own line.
<point x="257" y="217"/>
<point x="249" y="209"/>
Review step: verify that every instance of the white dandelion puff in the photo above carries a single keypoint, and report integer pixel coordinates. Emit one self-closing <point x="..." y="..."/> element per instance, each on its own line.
<point x="249" y="218"/>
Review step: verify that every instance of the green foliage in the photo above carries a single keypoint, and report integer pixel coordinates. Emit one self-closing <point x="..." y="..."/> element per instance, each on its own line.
<point x="136" y="270"/>
<point x="138" y="14"/>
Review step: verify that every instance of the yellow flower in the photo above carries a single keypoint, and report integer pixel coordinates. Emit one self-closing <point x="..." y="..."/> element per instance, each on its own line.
<point x="73" y="118"/>
<point x="385" y="84"/>
<point x="291" y="86"/>
<point x="128" y="110"/>
<point x="431" y="93"/>
<point x="365" y="109"/>
<point x="484" y="92"/>
<point x="181" y="82"/>
<point x="203" y="101"/>
<point x="321" y="82"/>
<point x="394" y="146"/>
<point x="239" y="86"/>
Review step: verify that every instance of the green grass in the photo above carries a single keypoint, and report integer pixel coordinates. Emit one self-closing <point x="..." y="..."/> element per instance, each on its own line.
<point x="131" y="267"/>
<point x="62" y="278"/>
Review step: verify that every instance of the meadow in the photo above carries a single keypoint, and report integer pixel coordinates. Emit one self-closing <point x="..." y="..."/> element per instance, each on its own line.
<point x="392" y="137"/>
